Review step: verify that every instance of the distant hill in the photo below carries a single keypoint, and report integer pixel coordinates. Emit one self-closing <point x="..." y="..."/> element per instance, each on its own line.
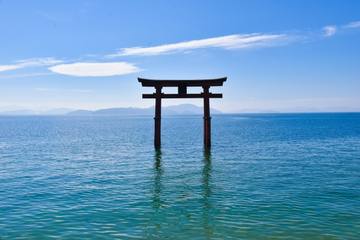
<point x="182" y="109"/>
<point x="80" y="113"/>
<point x="18" y="112"/>
<point x="27" y="112"/>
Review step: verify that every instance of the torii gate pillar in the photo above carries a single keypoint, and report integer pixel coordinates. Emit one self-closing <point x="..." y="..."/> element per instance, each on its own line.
<point x="157" y="118"/>
<point x="182" y="93"/>
<point x="207" y="118"/>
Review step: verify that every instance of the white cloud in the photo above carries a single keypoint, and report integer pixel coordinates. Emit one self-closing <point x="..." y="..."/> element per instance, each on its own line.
<point x="329" y="31"/>
<point x="31" y="62"/>
<point x="353" y="25"/>
<point x="41" y="89"/>
<point x="8" y="67"/>
<point x="97" y="69"/>
<point x="39" y="62"/>
<point x="25" y="75"/>
<point x="227" y="42"/>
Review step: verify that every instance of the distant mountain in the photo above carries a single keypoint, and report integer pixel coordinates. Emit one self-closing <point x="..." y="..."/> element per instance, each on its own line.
<point x="57" y="111"/>
<point x="185" y="109"/>
<point x="182" y="109"/>
<point x="124" y="111"/>
<point x="80" y="113"/>
<point x="27" y="112"/>
<point x="20" y="112"/>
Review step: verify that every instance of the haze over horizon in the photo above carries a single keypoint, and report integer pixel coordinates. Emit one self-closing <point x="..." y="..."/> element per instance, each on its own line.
<point x="88" y="54"/>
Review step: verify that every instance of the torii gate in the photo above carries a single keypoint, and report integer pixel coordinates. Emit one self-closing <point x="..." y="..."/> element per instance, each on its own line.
<point x="182" y="93"/>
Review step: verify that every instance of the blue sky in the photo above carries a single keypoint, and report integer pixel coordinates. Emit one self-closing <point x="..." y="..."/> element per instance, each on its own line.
<point x="287" y="56"/>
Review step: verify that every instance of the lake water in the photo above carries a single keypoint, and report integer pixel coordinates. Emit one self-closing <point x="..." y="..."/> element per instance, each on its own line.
<point x="268" y="176"/>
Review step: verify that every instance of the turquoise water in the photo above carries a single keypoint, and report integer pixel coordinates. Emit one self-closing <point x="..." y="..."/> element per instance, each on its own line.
<point x="290" y="176"/>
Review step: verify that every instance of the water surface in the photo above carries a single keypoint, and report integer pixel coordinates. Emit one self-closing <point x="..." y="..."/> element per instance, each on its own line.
<point x="268" y="176"/>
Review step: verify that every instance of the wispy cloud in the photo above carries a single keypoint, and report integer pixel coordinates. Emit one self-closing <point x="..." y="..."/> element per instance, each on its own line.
<point x="226" y="42"/>
<point x="99" y="69"/>
<point x="41" y="89"/>
<point x="25" y="75"/>
<point x="9" y="67"/>
<point x="31" y="62"/>
<point x="329" y="31"/>
<point x="355" y="24"/>
<point x="39" y="61"/>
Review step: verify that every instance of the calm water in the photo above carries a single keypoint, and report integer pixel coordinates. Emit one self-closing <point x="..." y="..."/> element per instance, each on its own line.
<point x="290" y="176"/>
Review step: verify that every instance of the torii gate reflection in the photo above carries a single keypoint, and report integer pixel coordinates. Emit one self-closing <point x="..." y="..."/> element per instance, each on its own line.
<point x="161" y="195"/>
<point x="182" y="93"/>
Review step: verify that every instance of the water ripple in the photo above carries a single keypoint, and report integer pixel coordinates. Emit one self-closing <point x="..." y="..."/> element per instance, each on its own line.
<point x="267" y="176"/>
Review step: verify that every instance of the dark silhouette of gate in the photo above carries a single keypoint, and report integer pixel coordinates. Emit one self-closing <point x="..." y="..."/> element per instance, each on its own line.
<point x="182" y="93"/>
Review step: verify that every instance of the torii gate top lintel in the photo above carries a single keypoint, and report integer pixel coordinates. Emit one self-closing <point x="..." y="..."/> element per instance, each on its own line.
<point x="182" y="93"/>
<point x="175" y="83"/>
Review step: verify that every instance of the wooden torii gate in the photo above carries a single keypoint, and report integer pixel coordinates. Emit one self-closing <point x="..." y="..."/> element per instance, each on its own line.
<point x="182" y="93"/>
